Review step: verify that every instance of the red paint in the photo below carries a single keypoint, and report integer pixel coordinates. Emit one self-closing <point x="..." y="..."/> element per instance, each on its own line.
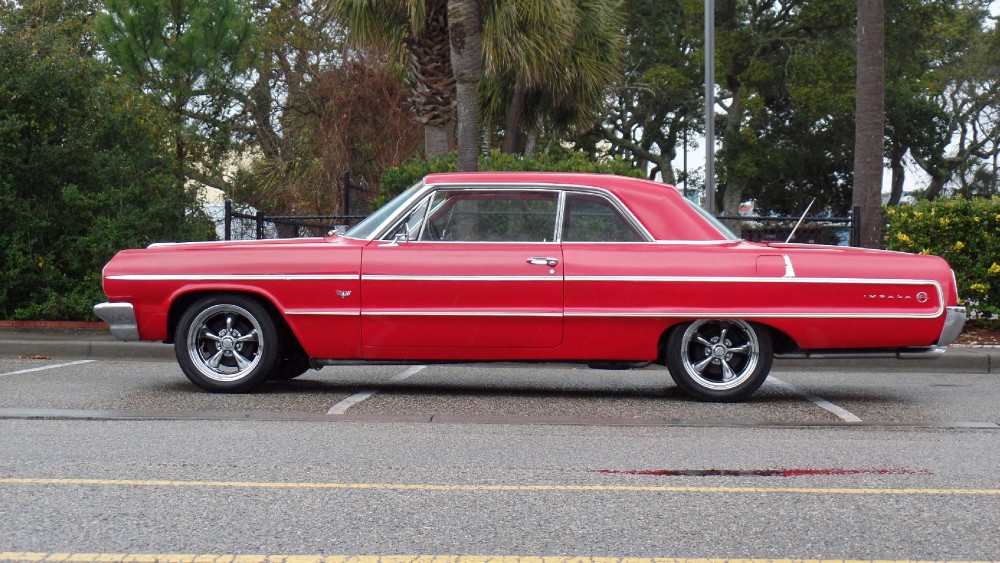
<point x="347" y="299"/>
<point x="760" y="472"/>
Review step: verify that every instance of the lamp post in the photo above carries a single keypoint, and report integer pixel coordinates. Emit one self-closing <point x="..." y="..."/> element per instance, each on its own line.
<point x="709" y="204"/>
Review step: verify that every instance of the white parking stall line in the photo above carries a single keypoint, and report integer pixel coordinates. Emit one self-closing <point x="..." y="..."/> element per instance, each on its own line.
<point x="342" y="406"/>
<point x="43" y="368"/>
<point x="842" y="413"/>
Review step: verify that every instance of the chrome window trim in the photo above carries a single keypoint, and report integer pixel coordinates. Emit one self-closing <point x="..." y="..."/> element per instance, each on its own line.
<point x="617" y="204"/>
<point x="466" y="188"/>
<point x="683" y="242"/>
<point x="533" y="186"/>
<point x="508" y="242"/>
<point x="404" y="208"/>
<point x="560" y="214"/>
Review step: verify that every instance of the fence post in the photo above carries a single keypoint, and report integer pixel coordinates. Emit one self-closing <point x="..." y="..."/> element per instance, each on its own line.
<point x="347" y="193"/>
<point x="229" y="220"/>
<point x="856" y="225"/>
<point x="260" y="225"/>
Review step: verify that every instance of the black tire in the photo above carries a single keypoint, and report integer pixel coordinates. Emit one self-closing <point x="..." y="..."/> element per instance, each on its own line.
<point x="226" y="343"/>
<point x="719" y="360"/>
<point x="290" y="365"/>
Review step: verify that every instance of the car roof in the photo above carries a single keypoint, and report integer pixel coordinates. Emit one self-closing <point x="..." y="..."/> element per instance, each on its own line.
<point x="659" y="207"/>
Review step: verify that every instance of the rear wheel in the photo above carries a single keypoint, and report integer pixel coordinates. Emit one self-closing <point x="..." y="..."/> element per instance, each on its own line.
<point x="719" y="360"/>
<point x="226" y="343"/>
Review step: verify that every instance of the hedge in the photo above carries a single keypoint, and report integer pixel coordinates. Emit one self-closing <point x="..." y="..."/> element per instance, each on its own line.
<point x="963" y="232"/>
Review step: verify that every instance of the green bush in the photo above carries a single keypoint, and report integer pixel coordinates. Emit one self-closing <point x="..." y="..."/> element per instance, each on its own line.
<point x="963" y="232"/>
<point x="85" y="170"/>
<point x="395" y="180"/>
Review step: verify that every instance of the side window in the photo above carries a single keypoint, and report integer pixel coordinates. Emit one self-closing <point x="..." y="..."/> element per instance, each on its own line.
<point x="592" y="218"/>
<point x="492" y="216"/>
<point x="411" y="225"/>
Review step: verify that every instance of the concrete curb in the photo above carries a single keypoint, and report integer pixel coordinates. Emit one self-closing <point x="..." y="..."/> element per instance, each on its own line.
<point x="78" y="344"/>
<point x="97" y="344"/>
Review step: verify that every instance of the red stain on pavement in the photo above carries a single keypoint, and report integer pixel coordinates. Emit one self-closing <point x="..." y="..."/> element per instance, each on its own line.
<point x="759" y="472"/>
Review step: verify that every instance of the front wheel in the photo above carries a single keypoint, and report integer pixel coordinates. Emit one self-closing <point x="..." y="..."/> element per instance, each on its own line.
<point x="226" y="343"/>
<point x="719" y="360"/>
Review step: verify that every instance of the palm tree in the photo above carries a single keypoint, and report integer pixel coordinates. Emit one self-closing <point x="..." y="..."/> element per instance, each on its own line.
<point x="869" y="134"/>
<point x="421" y="26"/>
<point x="466" y="33"/>
<point x="542" y="57"/>
<point x="549" y="61"/>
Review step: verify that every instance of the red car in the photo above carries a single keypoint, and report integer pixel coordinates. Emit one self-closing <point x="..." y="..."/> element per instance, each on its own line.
<point x="527" y="267"/>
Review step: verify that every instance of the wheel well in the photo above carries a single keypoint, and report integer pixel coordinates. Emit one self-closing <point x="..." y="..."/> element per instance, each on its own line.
<point x="184" y="301"/>
<point x="783" y="344"/>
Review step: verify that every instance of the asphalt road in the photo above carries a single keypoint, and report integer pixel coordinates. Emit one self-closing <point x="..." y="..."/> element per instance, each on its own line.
<point x="118" y="460"/>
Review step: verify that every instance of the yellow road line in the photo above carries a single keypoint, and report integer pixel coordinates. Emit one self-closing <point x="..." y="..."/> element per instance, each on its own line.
<point x="215" y="558"/>
<point x="487" y="488"/>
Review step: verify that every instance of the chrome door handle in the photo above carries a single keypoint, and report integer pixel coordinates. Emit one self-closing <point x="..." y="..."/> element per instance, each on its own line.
<point x="540" y="261"/>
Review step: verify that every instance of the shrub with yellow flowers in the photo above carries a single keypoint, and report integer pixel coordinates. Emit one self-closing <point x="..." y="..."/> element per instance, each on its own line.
<point x="962" y="231"/>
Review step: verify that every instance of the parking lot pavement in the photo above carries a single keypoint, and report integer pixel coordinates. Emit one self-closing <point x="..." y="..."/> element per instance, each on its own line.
<point x="83" y="343"/>
<point x="498" y="394"/>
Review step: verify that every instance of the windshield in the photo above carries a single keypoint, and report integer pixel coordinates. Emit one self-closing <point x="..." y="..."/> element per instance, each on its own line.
<point x="723" y="230"/>
<point x="370" y="224"/>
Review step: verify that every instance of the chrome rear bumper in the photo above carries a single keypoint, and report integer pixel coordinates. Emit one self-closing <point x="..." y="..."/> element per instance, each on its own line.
<point x="953" y="322"/>
<point x="120" y="318"/>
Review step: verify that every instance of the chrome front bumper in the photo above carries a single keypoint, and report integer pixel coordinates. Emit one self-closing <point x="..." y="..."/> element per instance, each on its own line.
<point x="120" y="318"/>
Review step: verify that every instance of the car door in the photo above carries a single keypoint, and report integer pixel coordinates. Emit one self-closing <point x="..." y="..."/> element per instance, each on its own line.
<point x="474" y="268"/>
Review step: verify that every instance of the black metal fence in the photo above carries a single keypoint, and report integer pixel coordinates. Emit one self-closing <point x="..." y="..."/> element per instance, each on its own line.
<point x="839" y="231"/>
<point x="247" y="225"/>
<point x="243" y="225"/>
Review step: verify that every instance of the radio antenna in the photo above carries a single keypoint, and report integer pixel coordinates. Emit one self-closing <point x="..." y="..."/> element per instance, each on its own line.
<point x="804" y="213"/>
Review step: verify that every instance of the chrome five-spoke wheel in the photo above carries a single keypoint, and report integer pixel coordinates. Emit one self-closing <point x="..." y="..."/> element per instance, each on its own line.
<point x="226" y="343"/>
<point x="719" y="359"/>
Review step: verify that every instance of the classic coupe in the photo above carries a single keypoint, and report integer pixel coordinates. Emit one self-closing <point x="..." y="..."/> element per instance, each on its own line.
<point x="469" y="267"/>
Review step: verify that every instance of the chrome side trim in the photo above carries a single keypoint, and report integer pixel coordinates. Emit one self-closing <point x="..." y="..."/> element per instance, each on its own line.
<point x="752" y="315"/>
<point x="458" y="314"/>
<point x="928" y="352"/>
<point x="737" y="279"/>
<point x="333" y="312"/>
<point x="121" y="320"/>
<point x="547" y="278"/>
<point x="789" y="270"/>
<point x="235" y="277"/>
<point x="953" y="323"/>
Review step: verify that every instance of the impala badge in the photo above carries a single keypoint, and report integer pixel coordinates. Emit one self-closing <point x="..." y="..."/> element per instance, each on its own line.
<point x="343" y="294"/>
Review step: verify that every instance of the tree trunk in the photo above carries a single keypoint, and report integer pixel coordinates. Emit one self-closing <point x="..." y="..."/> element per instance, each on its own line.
<point x="732" y="197"/>
<point x="898" y="178"/>
<point x="513" y="140"/>
<point x="869" y="135"/>
<point x="438" y="139"/>
<point x="466" y="35"/>
<point x="938" y="180"/>
<point x="732" y="192"/>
